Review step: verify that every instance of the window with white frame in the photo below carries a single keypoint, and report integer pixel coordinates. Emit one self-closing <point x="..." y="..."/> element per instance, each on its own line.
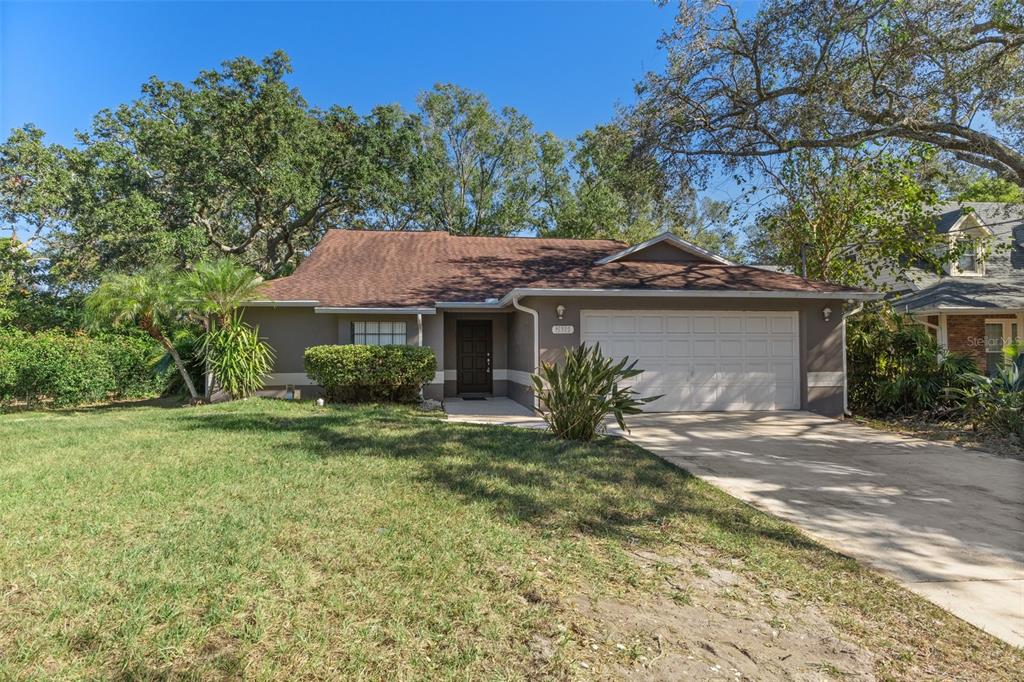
<point x="374" y="333"/>
<point x="999" y="333"/>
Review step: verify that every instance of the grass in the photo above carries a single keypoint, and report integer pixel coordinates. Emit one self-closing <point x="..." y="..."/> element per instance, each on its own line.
<point x="280" y="540"/>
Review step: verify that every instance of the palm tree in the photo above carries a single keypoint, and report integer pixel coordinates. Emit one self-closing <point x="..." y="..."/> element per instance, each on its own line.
<point x="148" y="300"/>
<point x="219" y="287"/>
<point x="234" y="355"/>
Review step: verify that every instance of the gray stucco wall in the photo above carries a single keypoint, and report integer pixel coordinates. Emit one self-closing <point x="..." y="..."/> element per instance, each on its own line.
<point x="820" y="341"/>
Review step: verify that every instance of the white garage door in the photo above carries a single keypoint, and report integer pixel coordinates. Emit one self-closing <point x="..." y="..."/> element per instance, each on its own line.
<point x="704" y="360"/>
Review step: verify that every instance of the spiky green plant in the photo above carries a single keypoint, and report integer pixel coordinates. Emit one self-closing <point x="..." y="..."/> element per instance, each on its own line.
<point x="150" y="300"/>
<point x="236" y="357"/>
<point x="578" y="395"/>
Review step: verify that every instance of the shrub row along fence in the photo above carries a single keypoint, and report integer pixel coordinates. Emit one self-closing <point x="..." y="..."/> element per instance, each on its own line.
<point x="62" y="369"/>
<point x="355" y="373"/>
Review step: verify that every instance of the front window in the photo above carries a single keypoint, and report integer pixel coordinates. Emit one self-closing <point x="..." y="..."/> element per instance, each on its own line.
<point x="998" y="335"/>
<point x="373" y="333"/>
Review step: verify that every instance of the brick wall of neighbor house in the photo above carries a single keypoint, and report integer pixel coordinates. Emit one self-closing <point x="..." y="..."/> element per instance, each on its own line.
<point x="965" y="334"/>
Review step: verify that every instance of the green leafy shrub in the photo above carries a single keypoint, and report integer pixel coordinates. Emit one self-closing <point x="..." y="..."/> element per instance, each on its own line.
<point x="370" y="373"/>
<point x="580" y="394"/>
<point x="132" y="360"/>
<point x="895" y="366"/>
<point x="995" y="404"/>
<point x="237" y="358"/>
<point x="62" y="369"/>
<point x="11" y="348"/>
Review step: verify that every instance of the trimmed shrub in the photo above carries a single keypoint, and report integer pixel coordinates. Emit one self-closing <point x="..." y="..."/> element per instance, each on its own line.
<point x="131" y="360"/>
<point x="370" y="373"/>
<point x="64" y="369"/>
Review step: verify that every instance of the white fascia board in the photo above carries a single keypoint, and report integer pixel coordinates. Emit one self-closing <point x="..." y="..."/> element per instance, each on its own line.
<point x="281" y="304"/>
<point x="960" y="309"/>
<point x="375" y="311"/>
<point x="678" y="242"/>
<point x="468" y="305"/>
<point x="692" y="293"/>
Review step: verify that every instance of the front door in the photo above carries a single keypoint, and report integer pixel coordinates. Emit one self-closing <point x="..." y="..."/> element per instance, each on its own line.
<point x="473" y="356"/>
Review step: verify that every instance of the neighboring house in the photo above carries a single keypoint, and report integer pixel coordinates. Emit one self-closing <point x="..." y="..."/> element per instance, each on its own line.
<point x="709" y="335"/>
<point x="976" y="306"/>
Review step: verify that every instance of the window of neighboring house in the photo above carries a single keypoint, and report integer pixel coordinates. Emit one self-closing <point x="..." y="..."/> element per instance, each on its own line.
<point x="373" y="333"/>
<point x="998" y="335"/>
<point x="970" y="261"/>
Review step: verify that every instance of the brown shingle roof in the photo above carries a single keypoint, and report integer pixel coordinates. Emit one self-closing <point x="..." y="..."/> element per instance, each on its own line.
<point x="358" y="269"/>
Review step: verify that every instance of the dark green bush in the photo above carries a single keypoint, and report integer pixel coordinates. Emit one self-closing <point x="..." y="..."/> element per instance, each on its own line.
<point x="62" y="369"/>
<point x="131" y="360"/>
<point x="370" y="373"/>
<point x="895" y="366"/>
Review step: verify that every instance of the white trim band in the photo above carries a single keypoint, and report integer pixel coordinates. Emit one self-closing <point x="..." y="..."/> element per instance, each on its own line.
<point x="289" y="378"/>
<point x="375" y="311"/>
<point x="824" y="379"/>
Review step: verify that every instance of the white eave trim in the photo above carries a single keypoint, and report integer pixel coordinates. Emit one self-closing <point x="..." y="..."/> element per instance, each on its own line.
<point x="298" y="303"/>
<point x="672" y="239"/>
<point x="375" y="311"/>
<point x="958" y="309"/>
<point x="469" y="305"/>
<point x="693" y="293"/>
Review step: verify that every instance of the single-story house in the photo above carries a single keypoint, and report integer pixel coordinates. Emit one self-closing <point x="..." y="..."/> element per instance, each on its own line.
<point x="709" y="334"/>
<point x="975" y="307"/>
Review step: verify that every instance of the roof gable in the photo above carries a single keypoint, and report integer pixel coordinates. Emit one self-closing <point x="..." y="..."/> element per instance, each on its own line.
<point x="656" y="250"/>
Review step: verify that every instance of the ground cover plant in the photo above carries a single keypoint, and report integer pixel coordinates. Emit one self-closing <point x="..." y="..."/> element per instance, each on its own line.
<point x="279" y="540"/>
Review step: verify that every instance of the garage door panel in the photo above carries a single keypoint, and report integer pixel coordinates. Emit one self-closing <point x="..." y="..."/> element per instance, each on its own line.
<point x="704" y="360"/>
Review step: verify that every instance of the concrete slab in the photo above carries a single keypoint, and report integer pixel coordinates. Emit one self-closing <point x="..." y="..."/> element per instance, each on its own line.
<point x="945" y="521"/>
<point x="492" y="410"/>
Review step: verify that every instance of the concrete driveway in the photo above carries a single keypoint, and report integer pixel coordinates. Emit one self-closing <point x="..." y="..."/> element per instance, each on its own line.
<point x="945" y="521"/>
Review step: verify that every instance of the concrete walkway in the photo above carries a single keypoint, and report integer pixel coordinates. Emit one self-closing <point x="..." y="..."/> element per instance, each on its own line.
<point x="496" y="410"/>
<point x="945" y="521"/>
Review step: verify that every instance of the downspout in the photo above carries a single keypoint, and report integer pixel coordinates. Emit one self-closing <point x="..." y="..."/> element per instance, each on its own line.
<point x="846" y="389"/>
<point x="419" y="342"/>
<point x="536" y="340"/>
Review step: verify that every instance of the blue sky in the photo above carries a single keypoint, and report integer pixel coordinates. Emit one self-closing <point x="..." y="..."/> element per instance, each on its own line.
<point x="565" y="65"/>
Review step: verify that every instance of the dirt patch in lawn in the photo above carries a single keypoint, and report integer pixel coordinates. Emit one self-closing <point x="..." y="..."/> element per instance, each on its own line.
<point x="713" y="623"/>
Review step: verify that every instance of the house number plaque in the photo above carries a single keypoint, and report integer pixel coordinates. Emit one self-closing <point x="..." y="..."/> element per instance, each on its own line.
<point x="563" y="329"/>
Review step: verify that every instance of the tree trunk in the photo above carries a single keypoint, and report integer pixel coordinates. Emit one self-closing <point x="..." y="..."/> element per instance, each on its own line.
<point x="182" y="369"/>
<point x="151" y="329"/>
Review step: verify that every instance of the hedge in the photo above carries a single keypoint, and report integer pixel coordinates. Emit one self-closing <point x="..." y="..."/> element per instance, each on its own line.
<point x="370" y="373"/>
<point x="65" y="369"/>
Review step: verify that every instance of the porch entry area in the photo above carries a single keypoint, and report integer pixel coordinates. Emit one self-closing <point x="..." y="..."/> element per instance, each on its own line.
<point x="474" y="357"/>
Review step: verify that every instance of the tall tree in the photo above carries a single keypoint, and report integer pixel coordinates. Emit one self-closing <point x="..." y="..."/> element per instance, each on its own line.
<point x="486" y="164"/>
<point x="614" y="190"/>
<point x="857" y="219"/>
<point x="235" y="162"/>
<point x="817" y="74"/>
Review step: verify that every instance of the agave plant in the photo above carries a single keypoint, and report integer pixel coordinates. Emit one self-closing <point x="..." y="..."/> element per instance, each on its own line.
<point x="579" y="394"/>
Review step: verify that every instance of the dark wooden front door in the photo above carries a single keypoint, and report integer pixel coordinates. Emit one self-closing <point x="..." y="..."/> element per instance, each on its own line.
<point x="473" y="356"/>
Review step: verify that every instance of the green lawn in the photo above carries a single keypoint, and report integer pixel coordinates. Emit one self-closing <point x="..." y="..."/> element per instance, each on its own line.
<point x="276" y="540"/>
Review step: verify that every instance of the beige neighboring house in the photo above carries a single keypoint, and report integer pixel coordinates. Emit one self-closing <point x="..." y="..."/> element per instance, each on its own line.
<point x="975" y="307"/>
<point x="709" y="334"/>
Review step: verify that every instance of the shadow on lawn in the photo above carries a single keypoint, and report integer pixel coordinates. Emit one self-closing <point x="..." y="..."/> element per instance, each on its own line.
<point x="609" y="488"/>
